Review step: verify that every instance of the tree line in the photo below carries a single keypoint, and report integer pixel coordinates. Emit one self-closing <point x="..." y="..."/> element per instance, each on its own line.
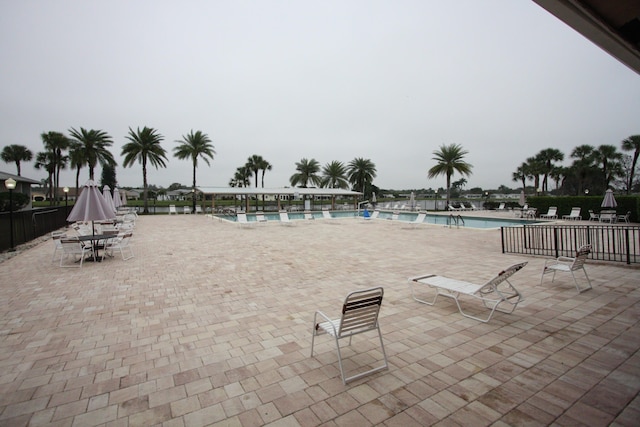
<point x="593" y="169"/>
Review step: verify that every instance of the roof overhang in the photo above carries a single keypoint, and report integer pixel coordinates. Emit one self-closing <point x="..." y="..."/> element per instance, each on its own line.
<point x="295" y="191"/>
<point x="614" y="26"/>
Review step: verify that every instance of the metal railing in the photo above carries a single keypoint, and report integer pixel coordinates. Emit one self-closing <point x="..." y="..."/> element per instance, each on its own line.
<point x="609" y="242"/>
<point x="30" y="224"/>
<point x="455" y="219"/>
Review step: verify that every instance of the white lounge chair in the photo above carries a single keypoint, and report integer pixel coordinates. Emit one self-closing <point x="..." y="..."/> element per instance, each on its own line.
<point x="284" y="218"/>
<point x="569" y="265"/>
<point x="501" y="207"/>
<point x="453" y="208"/>
<point x="308" y="216"/>
<point x="551" y="213"/>
<point x="326" y="215"/>
<point x="172" y="210"/>
<point x="198" y="209"/>
<point x="493" y="293"/>
<point x="241" y="219"/>
<point x="186" y="210"/>
<point x="608" y="216"/>
<point x="360" y="313"/>
<point x="624" y="218"/>
<point x="574" y="214"/>
<point x="260" y="218"/>
<point x="419" y="219"/>
<point x="375" y="214"/>
<point x="473" y="207"/>
<point x="593" y="216"/>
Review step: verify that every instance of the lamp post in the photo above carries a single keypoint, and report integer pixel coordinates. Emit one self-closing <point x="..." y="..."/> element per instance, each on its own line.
<point x="10" y="184"/>
<point x="66" y="202"/>
<point x="486" y="198"/>
<point x="193" y="191"/>
<point x="435" y="200"/>
<point x="586" y="192"/>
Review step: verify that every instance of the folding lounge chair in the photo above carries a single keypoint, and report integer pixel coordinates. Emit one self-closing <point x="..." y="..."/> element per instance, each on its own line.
<point x="551" y="213"/>
<point x="284" y="218"/>
<point x="308" y="216"/>
<point x="198" y="209"/>
<point x="326" y="215"/>
<point x="419" y="219"/>
<point x="186" y="209"/>
<point x="574" y="215"/>
<point x="453" y="208"/>
<point x="569" y="265"/>
<point x="359" y="315"/>
<point x="624" y="218"/>
<point x="501" y="207"/>
<point x="172" y="210"/>
<point x="260" y="218"/>
<point x="375" y="214"/>
<point x="241" y="219"/>
<point x="493" y="293"/>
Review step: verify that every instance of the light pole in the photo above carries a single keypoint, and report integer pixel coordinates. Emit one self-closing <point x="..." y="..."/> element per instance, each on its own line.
<point x="435" y="200"/>
<point x="66" y="202"/>
<point x="10" y="183"/>
<point x="586" y="192"/>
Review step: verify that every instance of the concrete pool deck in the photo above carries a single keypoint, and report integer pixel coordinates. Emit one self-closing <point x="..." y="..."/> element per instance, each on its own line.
<point x="210" y="324"/>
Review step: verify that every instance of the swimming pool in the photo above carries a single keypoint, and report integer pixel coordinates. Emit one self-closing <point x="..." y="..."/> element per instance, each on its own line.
<point x="407" y="217"/>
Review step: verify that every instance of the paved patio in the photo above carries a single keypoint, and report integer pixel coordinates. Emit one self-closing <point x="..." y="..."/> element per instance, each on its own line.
<point x="210" y="324"/>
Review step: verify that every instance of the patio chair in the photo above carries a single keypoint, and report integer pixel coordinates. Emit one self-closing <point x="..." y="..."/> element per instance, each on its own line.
<point x="284" y="218"/>
<point x="574" y="214"/>
<point x="172" y="210"/>
<point x="308" y="216"/>
<point x="75" y="249"/>
<point x="326" y="214"/>
<point x="359" y="315"/>
<point x="453" y="208"/>
<point x="593" y="216"/>
<point x="375" y="214"/>
<point x="186" y="210"/>
<point x="198" y="209"/>
<point x="569" y="265"/>
<point x="474" y="207"/>
<point x="551" y="213"/>
<point x="419" y="219"/>
<point x="56" y="236"/>
<point x="241" y="219"/>
<point x="624" y="218"/>
<point x="120" y="243"/>
<point x="260" y="218"/>
<point x="492" y="294"/>
<point x="501" y="207"/>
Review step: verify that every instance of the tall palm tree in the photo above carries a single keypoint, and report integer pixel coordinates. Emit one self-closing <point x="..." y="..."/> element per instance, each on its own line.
<point x="522" y="174"/>
<point x="306" y="173"/>
<point x="95" y="146"/>
<point x="16" y="153"/>
<point x="193" y="146"/>
<point x="144" y="147"/>
<point x="56" y="143"/>
<point x="360" y="173"/>
<point x="632" y="143"/>
<point x="254" y="163"/>
<point x="44" y="160"/>
<point x="241" y="178"/>
<point x="582" y="165"/>
<point x="536" y="168"/>
<point x="76" y="160"/>
<point x="450" y="159"/>
<point x="334" y="176"/>
<point x="264" y="166"/>
<point x="547" y="157"/>
<point x="608" y="157"/>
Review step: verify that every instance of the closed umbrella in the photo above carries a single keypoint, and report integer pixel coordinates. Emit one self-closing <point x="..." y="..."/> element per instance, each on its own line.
<point x="117" y="199"/>
<point x="412" y="200"/>
<point x="123" y="193"/>
<point x="522" y="200"/>
<point x="373" y="199"/>
<point x="106" y="192"/>
<point x="609" y="201"/>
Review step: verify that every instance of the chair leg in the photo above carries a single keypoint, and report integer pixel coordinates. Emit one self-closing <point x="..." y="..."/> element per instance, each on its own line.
<point x="344" y="380"/>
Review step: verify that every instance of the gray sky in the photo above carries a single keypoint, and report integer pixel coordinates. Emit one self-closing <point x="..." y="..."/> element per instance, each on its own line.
<point x="390" y="81"/>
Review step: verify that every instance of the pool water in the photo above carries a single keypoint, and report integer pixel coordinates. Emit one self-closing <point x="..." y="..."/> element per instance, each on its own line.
<point x="407" y="217"/>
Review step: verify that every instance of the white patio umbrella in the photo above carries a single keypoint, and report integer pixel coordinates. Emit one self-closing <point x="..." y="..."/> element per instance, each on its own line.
<point x="106" y="192"/>
<point x="117" y="200"/>
<point x="522" y="200"/>
<point x="609" y="201"/>
<point x="412" y="200"/>
<point x="373" y="199"/>
<point x="91" y="205"/>
<point x="123" y="193"/>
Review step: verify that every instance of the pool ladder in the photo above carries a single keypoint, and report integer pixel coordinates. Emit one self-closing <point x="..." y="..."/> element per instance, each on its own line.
<point x="457" y="219"/>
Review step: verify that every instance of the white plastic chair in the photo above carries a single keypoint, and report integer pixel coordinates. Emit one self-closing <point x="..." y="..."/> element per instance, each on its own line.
<point x="172" y="210"/>
<point x="75" y="249"/>
<point x="186" y="210"/>
<point x="574" y="214"/>
<point x="241" y="219"/>
<point x="284" y="218"/>
<point x="121" y="243"/>
<point x="56" y="236"/>
<point x="569" y="265"/>
<point x="360" y="313"/>
<point x="551" y="213"/>
<point x="419" y="219"/>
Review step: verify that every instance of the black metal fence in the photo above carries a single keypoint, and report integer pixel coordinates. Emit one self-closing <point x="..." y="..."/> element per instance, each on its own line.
<point x="609" y="242"/>
<point x="30" y="224"/>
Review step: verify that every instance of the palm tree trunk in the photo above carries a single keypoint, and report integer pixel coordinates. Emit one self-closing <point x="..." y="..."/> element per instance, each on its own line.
<point x="144" y="186"/>
<point x="193" y="190"/>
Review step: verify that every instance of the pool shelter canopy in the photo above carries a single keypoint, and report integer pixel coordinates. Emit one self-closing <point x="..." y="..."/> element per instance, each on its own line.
<point x="283" y="191"/>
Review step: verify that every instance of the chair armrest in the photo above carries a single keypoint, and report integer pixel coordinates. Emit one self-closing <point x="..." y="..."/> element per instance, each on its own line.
<point x="566" y="259"/>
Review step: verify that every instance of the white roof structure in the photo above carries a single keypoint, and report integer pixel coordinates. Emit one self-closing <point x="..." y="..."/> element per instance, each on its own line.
<point x="295" y="191"/>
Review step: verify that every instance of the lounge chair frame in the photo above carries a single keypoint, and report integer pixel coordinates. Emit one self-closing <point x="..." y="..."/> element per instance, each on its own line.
<point x="492" y="294"/>
<point x="359" y="315"/>
<point x="569" y="265"/>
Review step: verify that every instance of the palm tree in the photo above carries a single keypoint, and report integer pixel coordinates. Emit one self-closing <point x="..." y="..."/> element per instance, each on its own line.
<point x="56" y="143"/>
<point x="144" y="147"/>
<point x="522" y="174"/>
<point x="242" y="178"/>
<point x="76" y="160"/>
<point x="44" y="160"/>
<point x="360" y="173"/>
<point x="632" y="143"/>
<point x="16" y="153"/>
<point x="536" y="168"/>
<point x="192" y="146"/>
<point x="450" y="159"/>
<point x="264" y="166"/>
<point x="582" y="165"/>
<point x="334" y="176"/>
<point x="256" y="164"/>
<point x="306" y="172"/>
<point x="609" y="158"/>
<point x="547" y="157"/>
<point x="95" y="145"/>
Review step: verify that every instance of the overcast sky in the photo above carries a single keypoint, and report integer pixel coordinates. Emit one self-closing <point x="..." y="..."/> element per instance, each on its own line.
<point x="389" y="81"/>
